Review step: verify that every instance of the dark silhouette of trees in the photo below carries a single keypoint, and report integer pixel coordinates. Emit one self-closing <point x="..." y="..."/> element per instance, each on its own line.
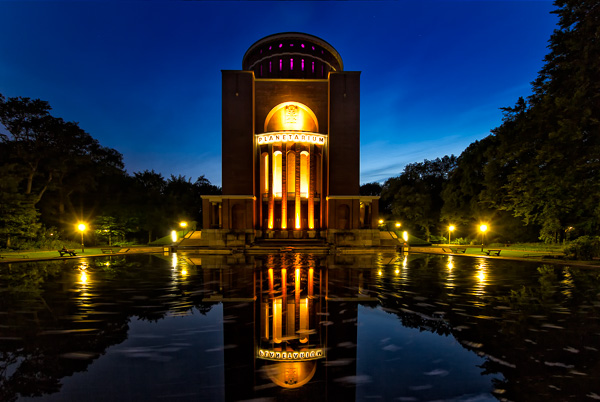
<point x="55" y="174"/>
<point x="416" y="195"/>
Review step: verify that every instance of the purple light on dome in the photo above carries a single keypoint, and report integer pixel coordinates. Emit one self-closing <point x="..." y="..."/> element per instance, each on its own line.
<point x="291" y="45"/>
<point x="302" y="46"/>
<point x="302" y="63"/>
<point x="313" y="67"/>
<point x="313" y="48"/>
<point x="322" y="71"/>
<point x="269" y="66"/>
<point x="260" y="51"/>
<point x="261" y="70"/>
<point x="291" y="64"/>
<point x="281" y="45"/>
<point x="270" y="47"/>
<point x="280" y="64"/>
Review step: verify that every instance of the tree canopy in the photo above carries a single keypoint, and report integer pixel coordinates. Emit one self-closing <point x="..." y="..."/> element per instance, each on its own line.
<point x="54" y="174"/>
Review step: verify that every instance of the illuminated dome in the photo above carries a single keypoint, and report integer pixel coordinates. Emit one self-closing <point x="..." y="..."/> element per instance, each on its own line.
<point x="292" y="55"/>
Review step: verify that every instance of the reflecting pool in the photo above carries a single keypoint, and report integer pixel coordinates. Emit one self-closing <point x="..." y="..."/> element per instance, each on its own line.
<point x="298" y="327"/>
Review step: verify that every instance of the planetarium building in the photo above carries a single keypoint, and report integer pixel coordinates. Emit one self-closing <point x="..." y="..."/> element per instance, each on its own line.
<point x="291" y="149"/>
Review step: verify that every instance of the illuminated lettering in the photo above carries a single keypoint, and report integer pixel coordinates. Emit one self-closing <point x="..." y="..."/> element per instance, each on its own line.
<point x="290" y="356"/>
<point x="270" y="138"/>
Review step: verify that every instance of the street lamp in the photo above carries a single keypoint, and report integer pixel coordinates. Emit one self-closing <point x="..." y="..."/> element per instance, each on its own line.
<point x="82" y="229"/>
<point x="398" y="224"/>
<point x="450" y="230"/>
<point x="483" y="228"/>
<point x="183" y="225"/>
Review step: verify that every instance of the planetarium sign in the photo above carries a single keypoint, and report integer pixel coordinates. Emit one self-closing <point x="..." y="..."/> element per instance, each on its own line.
<point x="290" y="136"/>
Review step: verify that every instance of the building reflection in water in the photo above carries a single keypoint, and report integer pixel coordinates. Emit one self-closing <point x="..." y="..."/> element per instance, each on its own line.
<point x="281" y="324"/>
<point x="290" y="337"/>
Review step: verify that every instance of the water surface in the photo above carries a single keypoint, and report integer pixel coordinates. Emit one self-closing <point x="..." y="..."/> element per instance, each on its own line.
<point x="298" y="327"/>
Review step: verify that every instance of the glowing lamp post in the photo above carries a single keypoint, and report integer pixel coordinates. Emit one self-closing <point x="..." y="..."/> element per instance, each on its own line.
<point x="398" y="224"/>
<point x="183" y="226"/>
<point x="81" y="227"/>
<point x="450" y="230"/>
<point x="483" y="228"/>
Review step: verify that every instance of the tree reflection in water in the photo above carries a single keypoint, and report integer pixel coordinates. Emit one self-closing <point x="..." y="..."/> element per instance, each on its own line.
<point x="297" y="326"/>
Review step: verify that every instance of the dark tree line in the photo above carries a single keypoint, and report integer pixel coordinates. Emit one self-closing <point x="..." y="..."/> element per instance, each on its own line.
<point x="538" y="174"/>
<point x="55" y="174"/>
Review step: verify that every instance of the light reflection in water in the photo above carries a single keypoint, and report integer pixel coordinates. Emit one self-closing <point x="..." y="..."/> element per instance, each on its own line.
<point x="450" y="275"/>
<point x="83" y="273"/>
<point x="568" y="283"/>
<point x="481" y="277"/>
<point x="377" y="312"/>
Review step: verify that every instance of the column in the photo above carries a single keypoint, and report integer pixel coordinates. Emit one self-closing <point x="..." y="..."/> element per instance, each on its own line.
<point x="311" y="189"/>
<point x="298" y="205"/>
<point x="271" y="195"/>
<point x="284" y="186"/>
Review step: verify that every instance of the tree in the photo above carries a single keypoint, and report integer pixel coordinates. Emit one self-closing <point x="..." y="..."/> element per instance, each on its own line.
<point x="54" y="157"/>
<point x="373" y="188"/>
<point x="18" y="216"/>
<point x="549" y="147"/>
<point x="29" y="126"/>
<point x="415" y="195"/>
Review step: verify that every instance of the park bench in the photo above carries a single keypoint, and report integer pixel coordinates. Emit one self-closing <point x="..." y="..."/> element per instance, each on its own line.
<point x="107" y="251"/>
<point x="492" y="251"/>
<point x="65" y="251"/>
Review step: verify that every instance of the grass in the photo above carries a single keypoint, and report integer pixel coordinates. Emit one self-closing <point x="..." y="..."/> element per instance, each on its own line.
<point x="530" y="251"/>
<point x="43" y="254"/>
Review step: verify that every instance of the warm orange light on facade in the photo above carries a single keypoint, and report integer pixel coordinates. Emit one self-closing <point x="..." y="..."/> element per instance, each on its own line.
<point x="277" y="174"/>
<point x="265" y="320"/>
<point x="291" y="116"/>
<point x="303" y="320"/>
<point x="298" y="223"/>
<point x="304" y="174"/>
<point x="277" y="316"/>
<point x="264" y="173"/>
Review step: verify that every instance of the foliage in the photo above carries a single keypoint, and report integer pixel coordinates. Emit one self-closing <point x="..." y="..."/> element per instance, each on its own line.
<point x="415" y="195"/>
<point x="373" y="188"/>
<point x="548" y="148"/>
<point x="18" y="216"/>
<point x="55" y="174"/>
<point x="584" y="248"/>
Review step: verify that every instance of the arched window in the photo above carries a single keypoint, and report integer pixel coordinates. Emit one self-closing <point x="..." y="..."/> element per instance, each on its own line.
<point x="291" y="172"/>
<point x="277" y="174"/>
<point x="304" y="174"/>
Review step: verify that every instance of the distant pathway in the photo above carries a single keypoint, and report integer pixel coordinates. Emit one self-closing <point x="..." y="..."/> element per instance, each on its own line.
<point x="507" y="253"/>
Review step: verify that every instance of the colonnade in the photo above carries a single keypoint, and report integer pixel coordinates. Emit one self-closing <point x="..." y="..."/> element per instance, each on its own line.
<point x="290" y="185"/>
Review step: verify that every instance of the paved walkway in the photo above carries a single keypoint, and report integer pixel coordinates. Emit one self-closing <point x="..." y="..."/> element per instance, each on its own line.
<point x="508" y="253"/>
<point x="46" y="255"/>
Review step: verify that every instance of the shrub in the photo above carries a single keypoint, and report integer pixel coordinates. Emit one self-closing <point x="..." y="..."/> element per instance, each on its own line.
<point x="584" y="248"/>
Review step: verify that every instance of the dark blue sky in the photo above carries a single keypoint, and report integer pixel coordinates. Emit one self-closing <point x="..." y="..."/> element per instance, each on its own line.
<point x="144" y="77"/>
